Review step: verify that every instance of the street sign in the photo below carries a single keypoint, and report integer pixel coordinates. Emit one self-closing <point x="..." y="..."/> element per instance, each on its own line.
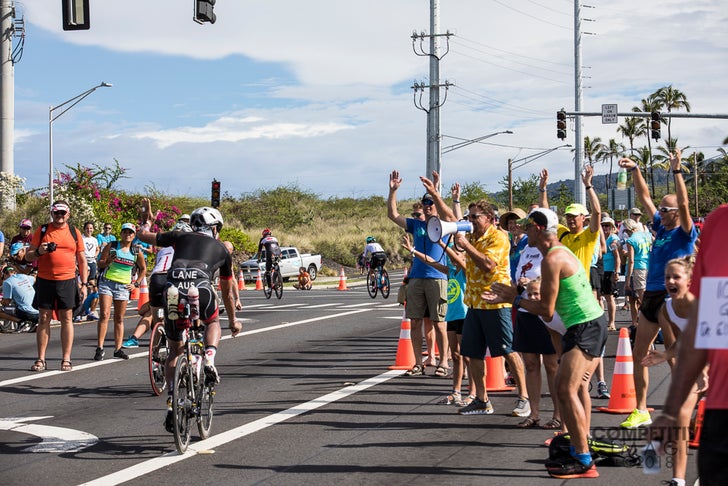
<point x="609" y="113"/>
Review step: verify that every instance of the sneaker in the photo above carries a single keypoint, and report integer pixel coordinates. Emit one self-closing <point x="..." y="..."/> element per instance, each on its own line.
<point x="131" y="342"/>
<point x="100" y="353"/>
<point x="24" y="326"/>
<point x="603" y="390"/>
<point x="523" y="408"/>
<point x="636" y="419"/>
<point x="477" y="407"/>
<point x="211" y="376"/>
<point x="169" y="418"/>
<point x="570" y="468"/>
<point x="119" y="353"/>
<point x="78" y="319"/>
<point x="92" y="317"/>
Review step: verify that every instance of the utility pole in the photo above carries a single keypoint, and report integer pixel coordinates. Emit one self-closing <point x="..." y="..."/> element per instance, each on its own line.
<point x="7" y="96"/>
<point x="433" y="108"/>
<point x="579" y="193"/>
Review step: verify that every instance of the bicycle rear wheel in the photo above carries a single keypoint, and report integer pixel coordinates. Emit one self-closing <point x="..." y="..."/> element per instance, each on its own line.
<point x="267" y="289"/>
<point x="205" y="396"/>
<point x="385" y="284"/>
<point x="278" y="283"/>
<point x="372" y="284"/>
<point x="158" y="352"/>
<point x="182" y="398"/>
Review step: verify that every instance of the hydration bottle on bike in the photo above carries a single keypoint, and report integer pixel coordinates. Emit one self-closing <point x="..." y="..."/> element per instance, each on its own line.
<point x="193" y="300"/>
<point x="172" y="302"/>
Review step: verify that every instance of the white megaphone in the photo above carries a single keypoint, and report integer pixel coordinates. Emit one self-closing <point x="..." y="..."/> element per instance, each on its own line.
<point x="437" y="228"/>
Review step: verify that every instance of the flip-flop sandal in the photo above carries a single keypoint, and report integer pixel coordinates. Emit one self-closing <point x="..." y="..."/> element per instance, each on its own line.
<point x="66" y="365"/>
<point x="39" y="365"/>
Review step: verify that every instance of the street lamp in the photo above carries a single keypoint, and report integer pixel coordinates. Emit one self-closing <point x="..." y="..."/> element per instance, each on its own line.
<point x="74" y="101"/>
<point x="524" y="160"/>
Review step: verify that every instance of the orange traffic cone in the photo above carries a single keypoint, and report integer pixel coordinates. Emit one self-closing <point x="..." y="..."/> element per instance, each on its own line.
<point x="241" y="281"/>
<point x="143" y="294"/>
<point x="624" y="396"/>
<point x="698" y="423"/>
<point x="134" y="295"/>
<point x="494" y="379"/>
<point x="259" y="282"/>
<point x="405" y="358"/>
<point x="342" y="280"/>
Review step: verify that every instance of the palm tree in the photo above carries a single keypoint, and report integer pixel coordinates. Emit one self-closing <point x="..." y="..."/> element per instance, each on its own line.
<point x="592" y="147"/>
<point x="670" y="99"/>
<point x="643" y="161"/>
<point x="696" y="174"/>
<point x="609" y="152"/>
<point x="649" y="105"/>
<point x="664" y="158"/>
<point x="632" y="128"/>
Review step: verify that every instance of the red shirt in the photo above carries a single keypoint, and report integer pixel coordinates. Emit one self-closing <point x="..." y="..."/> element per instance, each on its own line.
<point x="711" y="262"/>
<point x="59" y="264"/>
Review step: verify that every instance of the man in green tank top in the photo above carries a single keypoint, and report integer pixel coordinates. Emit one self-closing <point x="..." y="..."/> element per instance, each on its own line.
<point x="565" y="289"/>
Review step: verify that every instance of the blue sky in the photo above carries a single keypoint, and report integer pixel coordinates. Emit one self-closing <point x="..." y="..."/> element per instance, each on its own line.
<point x="318" y="93"/>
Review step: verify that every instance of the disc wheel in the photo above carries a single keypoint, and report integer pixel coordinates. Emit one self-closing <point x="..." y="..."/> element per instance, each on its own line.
<point x="205" y="396"/>
<point x="278" y="284"/>
<point x="158" y="352"/>
<point x="372" y="284"/>
<point x="182" y="405"/>
<point x="385" y="284"/>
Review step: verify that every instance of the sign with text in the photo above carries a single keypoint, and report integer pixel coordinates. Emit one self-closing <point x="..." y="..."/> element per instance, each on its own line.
<point x="712" y="330"/>
<point x="609" y="113"/>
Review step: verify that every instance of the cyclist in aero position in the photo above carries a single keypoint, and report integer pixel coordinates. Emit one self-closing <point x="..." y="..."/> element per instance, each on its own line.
<point x="270" y="244"/>
<point x="374" y="253"/>
<point x="197" y="256"/>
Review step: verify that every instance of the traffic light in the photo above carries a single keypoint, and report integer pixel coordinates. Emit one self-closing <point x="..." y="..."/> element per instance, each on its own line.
<point x="204" y="11"/>
<point x="215" y="194"/>
<point x="75" y="15"/>
<point x="561" y="124"/>
<point x="655" y="125"/>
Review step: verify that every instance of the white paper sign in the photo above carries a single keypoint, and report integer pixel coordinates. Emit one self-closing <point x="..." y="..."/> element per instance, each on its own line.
<point x="712" y="329"/>
<point x="609" y="113"/>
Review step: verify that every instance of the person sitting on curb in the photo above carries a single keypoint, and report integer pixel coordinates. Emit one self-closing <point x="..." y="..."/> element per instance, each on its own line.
<point x="304" y="280"/>
<point x="18" y="290"/>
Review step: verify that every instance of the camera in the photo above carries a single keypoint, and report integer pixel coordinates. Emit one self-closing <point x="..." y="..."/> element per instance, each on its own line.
<point x="51" y="247"/>
<point x="112" y="253"/>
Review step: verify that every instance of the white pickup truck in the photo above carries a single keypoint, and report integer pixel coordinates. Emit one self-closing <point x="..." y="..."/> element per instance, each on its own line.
<point x="291" y="261"/>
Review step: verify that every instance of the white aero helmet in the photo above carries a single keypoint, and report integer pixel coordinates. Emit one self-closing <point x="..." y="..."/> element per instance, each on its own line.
<point x="206" y="217"/>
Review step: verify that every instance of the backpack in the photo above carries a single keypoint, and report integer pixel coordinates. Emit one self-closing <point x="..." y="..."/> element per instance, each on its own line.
<point x="605" y="452"/>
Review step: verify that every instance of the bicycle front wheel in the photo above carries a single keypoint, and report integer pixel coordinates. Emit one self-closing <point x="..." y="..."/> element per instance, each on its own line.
<point x="182" y="399"/>
<point x="385" y="284"/>
<point x="205" y="395"/>
<point x="372" y="284"/>
<point x="278" y="284"/>
<point x="158" y="352"/>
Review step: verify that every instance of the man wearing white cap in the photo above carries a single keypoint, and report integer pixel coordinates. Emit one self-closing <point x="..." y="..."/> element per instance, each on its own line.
<point x="24" y="235"/>
<point x="60" y="254"/>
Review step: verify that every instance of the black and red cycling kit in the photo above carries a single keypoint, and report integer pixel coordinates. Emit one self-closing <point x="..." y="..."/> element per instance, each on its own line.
<point x="270" y="243"/>
<point x="196" y="259"/>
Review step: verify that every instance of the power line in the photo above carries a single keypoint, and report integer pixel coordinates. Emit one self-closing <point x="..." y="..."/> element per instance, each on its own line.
<point x="510" y="53"/>
<point x="507" y="68"/>
<point x="532" y="16"/>
<point x="516" y="62"/>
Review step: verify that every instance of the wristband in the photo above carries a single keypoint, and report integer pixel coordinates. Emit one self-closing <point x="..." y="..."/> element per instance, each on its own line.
<point x="413" y="252"/>
<point x="541" y="190"/>
<point x="586" y="188"/>
<point x="678" y="171"/>
<point x="517" y="301"/>
<point x="633" y="168"/>
<point x="456" y="201"/>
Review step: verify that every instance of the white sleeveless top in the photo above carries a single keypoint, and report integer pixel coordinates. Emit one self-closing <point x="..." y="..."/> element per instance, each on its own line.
<point x="680" y="322"/>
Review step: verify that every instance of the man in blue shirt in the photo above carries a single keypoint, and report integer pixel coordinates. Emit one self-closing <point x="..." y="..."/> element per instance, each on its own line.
<point x="18" y="290"/>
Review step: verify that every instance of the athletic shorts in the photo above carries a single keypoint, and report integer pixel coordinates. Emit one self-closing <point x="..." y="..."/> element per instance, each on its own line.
<point x="208" y="298"/>
<point x="608" y="283"/>
<point x="117" y="291"/>
<point x="713" y="449"/>
<point x="652" y="301"/>
<point x="487" y="328"/>
<point x="93" y="271"/>
<point x="455" y="326"/>
<point x="55" y="294"/>
<point x="639" y="279"/>
<point x="378" y="259"/>
<point x="595" y="278"/>
<point x="157" y="284"/>
<point x="531" y="335"/>
<point x="427" y="297"/>
<point x="590" y="337"/>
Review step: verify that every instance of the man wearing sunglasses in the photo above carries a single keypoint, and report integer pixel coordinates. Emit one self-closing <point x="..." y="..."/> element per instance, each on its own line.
<point x="675" y="238"/>
<point x="60" y="255"/>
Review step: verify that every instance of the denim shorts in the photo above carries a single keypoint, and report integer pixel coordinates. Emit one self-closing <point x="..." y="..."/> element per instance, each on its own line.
<point x="118" y="291"/>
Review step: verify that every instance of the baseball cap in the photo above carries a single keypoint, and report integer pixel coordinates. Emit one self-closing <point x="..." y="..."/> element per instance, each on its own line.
<point x="25" y="223"/>
<point x="542" y="217"/>
<point x="15" y="248"/>
<point x="60" y="207"/>
<point x="635" y="211"/>
<point x="8" y="269"/>
<point x="576" y="209"/>
<point x="427" y="197"/>
<point x="128" y="226"/>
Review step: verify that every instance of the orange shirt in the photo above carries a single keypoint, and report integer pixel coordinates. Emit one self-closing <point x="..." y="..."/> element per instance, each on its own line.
<point x="59" y="264"/>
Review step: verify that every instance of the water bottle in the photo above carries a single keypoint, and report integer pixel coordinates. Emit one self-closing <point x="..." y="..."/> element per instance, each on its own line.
<point x="193" y="299"/>
<point x="172" y="301"/>
<point x="197" y="364"/>
<point x="622" y="179"/>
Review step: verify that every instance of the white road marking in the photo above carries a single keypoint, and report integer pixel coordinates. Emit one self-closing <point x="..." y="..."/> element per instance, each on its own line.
<point x="53" y="439"/>
<point x="206" y="445"/>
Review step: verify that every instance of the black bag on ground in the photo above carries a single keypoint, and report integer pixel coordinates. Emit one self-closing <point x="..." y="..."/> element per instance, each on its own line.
<point x="604" y="452"/>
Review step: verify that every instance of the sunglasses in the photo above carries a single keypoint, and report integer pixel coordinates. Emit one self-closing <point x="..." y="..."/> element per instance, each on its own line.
<point x="107" y="227"/>
<point x="416" y="215"/>
<point x="25" y="227"/>
<point x="60" y="213"/>
<point x="667" y="209"/>
<point x="474" y="216"/>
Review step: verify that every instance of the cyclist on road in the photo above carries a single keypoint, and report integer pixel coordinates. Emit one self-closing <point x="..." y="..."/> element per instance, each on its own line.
<point x="197" y="256"/>
<point x="374" y="253"/>
<point x="270" y="244"/>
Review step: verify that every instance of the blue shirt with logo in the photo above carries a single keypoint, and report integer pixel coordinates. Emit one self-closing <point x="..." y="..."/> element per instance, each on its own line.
<point x="422" y="243"/>
<point x="19" y="288"/>
<point x="668" y="244"/>
<point x="456" y="308"/>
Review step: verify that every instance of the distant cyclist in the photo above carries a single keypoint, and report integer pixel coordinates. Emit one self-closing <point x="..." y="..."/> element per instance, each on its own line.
<point x="374" y="253"/>
<point x="270" y="244"/>
<point x="197" y="256"/>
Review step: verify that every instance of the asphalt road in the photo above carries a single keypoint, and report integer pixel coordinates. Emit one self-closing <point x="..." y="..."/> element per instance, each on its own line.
<point x="306" y="398"/>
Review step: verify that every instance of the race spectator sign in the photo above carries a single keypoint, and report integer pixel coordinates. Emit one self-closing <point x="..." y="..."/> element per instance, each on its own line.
<point x="712" y="330"/>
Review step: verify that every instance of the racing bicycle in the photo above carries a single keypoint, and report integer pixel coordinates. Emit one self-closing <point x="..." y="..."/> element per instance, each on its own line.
<point x="273" y="282"/>
<point x="378" y="281"/>
<point x="158" y="352"/>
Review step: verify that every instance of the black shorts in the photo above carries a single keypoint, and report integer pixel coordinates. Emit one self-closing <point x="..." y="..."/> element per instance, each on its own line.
<point x="531" y="335"/>
<point x="595" y="278"/>
<point x="208" y="297"/>
<point x="608" y="283"/>
<point x="712" y="466"/>
<point x="93" y="271"/>
<point x="455" y="326"/>
<point x="55" y="294"/>
<point x="590" y="337"/>
<point x="157" y="284"/>
<point x="652" y="301"/>
<point x="378" y="259"/>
